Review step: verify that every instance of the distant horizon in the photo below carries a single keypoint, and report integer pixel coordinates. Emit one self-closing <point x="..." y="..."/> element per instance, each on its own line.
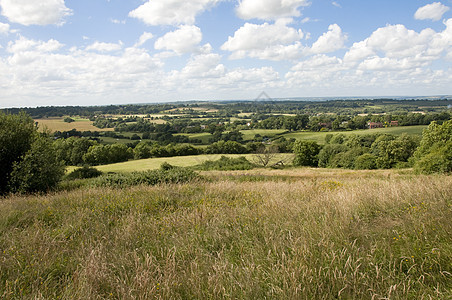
<point x="108" y="52"/>
<point x="307" y="99"/>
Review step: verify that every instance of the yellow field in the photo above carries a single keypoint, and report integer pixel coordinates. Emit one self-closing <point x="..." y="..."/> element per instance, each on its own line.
<point x="57" y="124"/>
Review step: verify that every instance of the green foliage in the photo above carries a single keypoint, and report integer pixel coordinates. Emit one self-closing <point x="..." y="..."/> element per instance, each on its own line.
<point x="107" y="154"/>
<point x="434" y="154"/>
<point x="27" y="158"/>
<point x="226" y="164"/>
<point x="68" y="120"/>
<point x="366" y="161"/>
<point x="229" y="147"/>
<point x="39" y="170"/>
<point x="16" y="135"/>
<point x="84" y="173"/>
<point x="306" y="153"/>
<point x="71" y="150"/>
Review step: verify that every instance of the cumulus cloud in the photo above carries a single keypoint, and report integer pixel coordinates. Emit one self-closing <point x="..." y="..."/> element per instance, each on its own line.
<point x="30" y="12"/>
<point x="146" y="36"/>
<point x="267" y="41"/>
<point x="171" y="12"/>
<point x="4" y="28"/>
<point x="330" y="41"/>
<point x="104" y="47"/>
<point x="434" y="11"/>
<point x="183" y="40"/>
<point x="269" y="9"/>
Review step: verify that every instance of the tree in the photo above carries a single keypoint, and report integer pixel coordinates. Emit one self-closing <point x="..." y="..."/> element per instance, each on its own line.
<point x="39" y="170"/>
<point x="434" y="154"/>
<point x="306" y="153"/>
<point x="265" y="155"/>
<point x="16" y="135"/>
<point x="27" y="157"/>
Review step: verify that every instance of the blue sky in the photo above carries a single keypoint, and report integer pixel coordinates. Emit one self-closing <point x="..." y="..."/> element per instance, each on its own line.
<point x="96" y="52"/>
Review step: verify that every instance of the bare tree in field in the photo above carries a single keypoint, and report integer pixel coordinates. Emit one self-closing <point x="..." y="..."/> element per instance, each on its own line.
<point x="269" y="157"/>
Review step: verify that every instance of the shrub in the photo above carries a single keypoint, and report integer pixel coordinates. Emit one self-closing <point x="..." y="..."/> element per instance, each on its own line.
<point x="226" y="164"/>
<point x="366" y="161"/>
<point x="84" y="173"/>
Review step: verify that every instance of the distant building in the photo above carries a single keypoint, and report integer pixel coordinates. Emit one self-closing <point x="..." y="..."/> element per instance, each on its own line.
<point x="373" y="125"/>
<point x="394" y="123"/>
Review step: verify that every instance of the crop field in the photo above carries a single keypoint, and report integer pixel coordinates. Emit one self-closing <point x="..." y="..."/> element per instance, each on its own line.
<point x="57" y="124"/>
<point x="260" y="234"/>
<point x="319" y="137"/>
<point x="180" y="161"/>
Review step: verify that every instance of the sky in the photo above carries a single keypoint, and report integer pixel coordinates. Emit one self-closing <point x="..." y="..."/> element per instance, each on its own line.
<point x="102" y="52"/>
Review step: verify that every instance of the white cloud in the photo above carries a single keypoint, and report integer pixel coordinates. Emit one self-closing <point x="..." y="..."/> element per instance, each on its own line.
<point x="116" y="21"/>
<point x="146" y="36"/>
<point x="335" y="3"/>
<point x="23" y="44"/>
<point x="183" y="40"/>
<point x="4" y="28"/>
<point x="267" y="41"/>
<point x="104" y="47"/>
<point x="171" y="12"/>
<point x="269" y="9"/>
<point x="30" y="12"/>
<point x="330" y="41"/>
<point x="434" y="11"/>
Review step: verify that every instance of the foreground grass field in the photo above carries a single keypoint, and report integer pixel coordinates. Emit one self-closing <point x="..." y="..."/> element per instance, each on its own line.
<point x="260" y="234"/>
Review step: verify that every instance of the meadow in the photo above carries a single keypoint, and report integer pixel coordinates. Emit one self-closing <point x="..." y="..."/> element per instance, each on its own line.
<point x="260" y="234"/>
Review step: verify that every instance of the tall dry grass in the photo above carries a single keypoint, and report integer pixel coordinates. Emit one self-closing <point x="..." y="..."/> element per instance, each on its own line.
<point x="339" y="235"/>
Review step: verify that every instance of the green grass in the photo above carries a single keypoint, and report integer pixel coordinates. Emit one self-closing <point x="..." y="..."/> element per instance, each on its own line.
<point x="204" y="136"/>
<point x="248" y="135"/>
<point x="323" y="235"/>
<point x="319" y="137"/>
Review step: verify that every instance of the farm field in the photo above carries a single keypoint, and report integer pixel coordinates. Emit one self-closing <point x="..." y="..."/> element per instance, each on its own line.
<point x="319" y="137"/>
<point x="57" y="124"/>
<point x="261" y="234"/>
<point x="180" y="161"/>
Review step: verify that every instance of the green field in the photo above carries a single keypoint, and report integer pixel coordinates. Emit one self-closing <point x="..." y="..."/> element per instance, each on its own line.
<point x="319" y="137"/>
<point x="260" y="234"/>
<point x="181" y="161"/>
<point x="248" y="135"/>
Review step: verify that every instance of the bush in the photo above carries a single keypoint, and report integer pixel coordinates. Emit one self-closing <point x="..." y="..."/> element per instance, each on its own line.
<point x="366" y="161"/>
<point x="84" y="173"/>
<point x="226" y="164"/>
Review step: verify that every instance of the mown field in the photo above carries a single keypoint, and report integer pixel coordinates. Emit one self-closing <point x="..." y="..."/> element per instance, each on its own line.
<point x="260" y="234"/>
<point x="57" y="124"/>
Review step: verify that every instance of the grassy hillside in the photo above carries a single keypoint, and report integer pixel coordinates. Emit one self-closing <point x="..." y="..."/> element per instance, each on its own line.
<point x="297" y="234"/>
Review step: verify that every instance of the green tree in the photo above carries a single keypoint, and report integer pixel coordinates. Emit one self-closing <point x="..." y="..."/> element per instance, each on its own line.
<point x="16" y="135"/>
<point x="306" y="153"/>
<point x="27" y="157"/>
<point x="434" y="154"/>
